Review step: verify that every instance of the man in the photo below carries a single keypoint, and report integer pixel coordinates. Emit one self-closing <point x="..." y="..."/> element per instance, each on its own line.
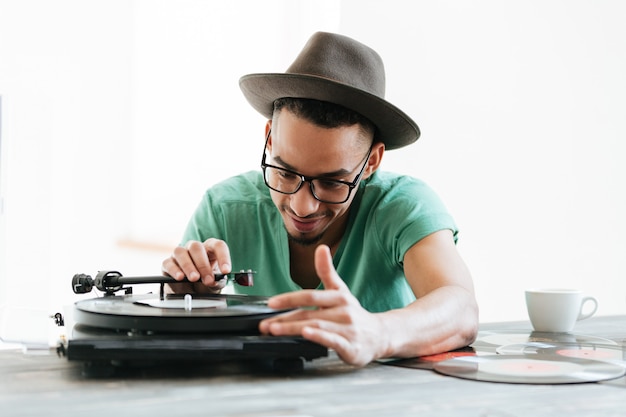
<point x="366" y="260"/>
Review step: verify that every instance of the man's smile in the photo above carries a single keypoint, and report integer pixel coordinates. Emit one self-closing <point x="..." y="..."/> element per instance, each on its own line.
<point x="304" y="225"/>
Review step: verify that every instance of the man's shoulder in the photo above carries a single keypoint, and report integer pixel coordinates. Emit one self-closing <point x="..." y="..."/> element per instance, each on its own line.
<point x="388" y="193"/>
<point x="386" y="183"/>
<point x="243" y="186"/>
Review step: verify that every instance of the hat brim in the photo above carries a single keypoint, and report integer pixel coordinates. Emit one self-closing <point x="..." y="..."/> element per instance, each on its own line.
<point x="395" y="128"/>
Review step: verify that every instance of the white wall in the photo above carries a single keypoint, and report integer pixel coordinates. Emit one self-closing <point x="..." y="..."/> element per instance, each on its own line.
<point x="65" y="84"/>
<point x="188" y="110"/>
<point x="118" y="114"/>
<point x="521" y="104"/>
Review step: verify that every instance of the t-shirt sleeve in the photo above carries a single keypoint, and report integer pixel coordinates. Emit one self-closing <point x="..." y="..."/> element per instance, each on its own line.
<point x="409" y="213"/>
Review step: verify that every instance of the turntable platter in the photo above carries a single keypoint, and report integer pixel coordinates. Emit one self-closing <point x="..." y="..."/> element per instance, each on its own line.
<point x="195" y="303"/>
<point x="209" y="313"/>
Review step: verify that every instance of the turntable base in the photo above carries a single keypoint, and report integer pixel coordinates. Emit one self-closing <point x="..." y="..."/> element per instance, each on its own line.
<point x="103" y="350"/>
<point x="113" y="332"/>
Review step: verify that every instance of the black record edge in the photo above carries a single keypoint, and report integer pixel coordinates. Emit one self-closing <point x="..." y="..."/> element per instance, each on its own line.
<point x="121" y="313"/>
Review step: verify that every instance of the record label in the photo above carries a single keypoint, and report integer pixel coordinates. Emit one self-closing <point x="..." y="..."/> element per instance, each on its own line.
<point x="583" y="351"/>
<point x="529" y="367"/>
<point x="426" y="362"/>
<point x="182" y="304"/>
<point x="601" y="354"/>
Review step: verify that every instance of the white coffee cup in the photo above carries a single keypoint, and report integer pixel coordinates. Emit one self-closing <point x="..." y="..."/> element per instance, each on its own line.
<point x="557" y="310"/>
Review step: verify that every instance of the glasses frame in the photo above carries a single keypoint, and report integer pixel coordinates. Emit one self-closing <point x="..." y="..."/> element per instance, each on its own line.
<point x="306" y="178"/>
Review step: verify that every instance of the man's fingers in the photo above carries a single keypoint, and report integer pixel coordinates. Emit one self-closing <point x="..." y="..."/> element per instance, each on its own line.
<point x="199" y="265"/>
<point x="218" y="252"/>
<point x="171" y="268"/>
<point x="190" y="260"/>
<point x="326" y="270"/>
<point x="307" y="298"/>
<point x="197" y="261"/>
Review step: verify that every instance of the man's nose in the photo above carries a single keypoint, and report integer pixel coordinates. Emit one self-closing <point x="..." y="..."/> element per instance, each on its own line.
<point x="303" y="203"/>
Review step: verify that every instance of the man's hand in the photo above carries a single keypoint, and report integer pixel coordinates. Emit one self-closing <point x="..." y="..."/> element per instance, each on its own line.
<point x="332" y="317"/>
<point x="197" y="261"/>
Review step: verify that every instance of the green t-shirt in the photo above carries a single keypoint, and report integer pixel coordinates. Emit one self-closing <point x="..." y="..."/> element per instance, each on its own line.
<point x="389" y="214"/>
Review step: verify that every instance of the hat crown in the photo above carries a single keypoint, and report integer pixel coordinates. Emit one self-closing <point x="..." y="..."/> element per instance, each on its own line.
<point x="343" y="60"/>
<point x="339" y="70"/>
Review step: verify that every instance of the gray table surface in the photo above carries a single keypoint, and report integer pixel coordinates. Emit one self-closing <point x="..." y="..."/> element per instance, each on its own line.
<point x="40" y="384"/>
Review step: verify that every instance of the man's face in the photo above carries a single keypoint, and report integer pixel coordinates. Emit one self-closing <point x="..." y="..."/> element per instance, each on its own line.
<point x="311" y="150"/>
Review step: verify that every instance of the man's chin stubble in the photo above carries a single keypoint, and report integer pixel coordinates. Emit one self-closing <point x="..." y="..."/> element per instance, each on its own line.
<point x="304" y="242"/>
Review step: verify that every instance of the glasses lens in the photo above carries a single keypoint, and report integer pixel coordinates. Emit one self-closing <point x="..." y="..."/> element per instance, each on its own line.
<point x="330" y="191"/>
<point x="282" y="181"/>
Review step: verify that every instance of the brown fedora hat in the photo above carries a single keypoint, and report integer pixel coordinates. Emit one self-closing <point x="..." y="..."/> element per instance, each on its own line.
<point x="339" y="70"/>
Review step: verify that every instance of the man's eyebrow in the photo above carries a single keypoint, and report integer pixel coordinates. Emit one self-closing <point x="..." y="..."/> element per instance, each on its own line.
<point x="338" y="173"/>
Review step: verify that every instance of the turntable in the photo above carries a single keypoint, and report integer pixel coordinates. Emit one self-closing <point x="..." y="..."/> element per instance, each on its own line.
<point x="140" y="330"/>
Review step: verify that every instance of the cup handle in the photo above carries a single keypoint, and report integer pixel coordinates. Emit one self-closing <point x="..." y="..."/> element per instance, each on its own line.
<point x="581" y="315"/>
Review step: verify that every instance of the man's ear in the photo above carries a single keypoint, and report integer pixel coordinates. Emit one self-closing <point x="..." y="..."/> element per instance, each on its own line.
<point x="268" y="127"/>
<point x="376" y="157"/>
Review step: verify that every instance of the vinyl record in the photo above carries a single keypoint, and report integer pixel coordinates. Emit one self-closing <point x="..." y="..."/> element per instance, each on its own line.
<point x="178" y="304"/>
<point x="594" y="352"/>
<point x="522" y="348"/>
<point x="529" y="369"/>
<point x="147" y="312"/>
<point x="489" y="341"/>
<point x="581" y="350"/>
<point x="427" y="362"/>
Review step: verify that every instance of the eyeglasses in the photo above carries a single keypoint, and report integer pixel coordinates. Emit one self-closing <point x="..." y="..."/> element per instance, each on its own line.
<point x="326" y="190"/>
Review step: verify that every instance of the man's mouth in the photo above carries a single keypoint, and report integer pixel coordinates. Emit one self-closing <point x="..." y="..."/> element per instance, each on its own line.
<point x="304" y="226"/>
